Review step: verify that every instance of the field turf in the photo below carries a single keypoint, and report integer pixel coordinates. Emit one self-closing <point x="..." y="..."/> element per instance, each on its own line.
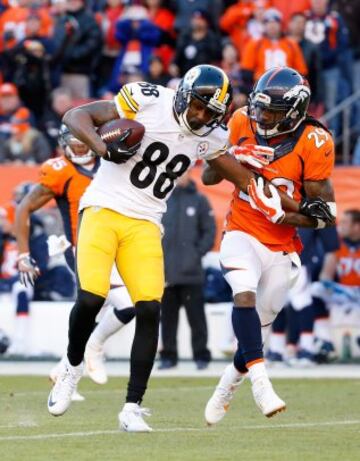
<point x="322" y="422"/>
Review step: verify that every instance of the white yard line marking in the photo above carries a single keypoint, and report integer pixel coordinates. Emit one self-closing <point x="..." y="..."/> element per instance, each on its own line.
<point x="110" y="392"/>
<point x="178" y="429"/>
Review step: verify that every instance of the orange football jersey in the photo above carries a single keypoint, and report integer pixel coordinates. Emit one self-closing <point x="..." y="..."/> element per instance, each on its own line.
<point x="348" y="264"/>
<point x="68" y="183"/>
<point x="310" y="158"/>
<point x="262" y="54"/>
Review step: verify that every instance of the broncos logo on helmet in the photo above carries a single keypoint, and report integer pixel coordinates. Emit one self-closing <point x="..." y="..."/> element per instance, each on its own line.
<point x="279" y="102"/>
<point x="208" y="85"/>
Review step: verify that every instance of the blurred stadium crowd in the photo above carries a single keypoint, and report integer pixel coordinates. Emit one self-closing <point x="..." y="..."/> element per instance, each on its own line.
<point x="56" y="54"/>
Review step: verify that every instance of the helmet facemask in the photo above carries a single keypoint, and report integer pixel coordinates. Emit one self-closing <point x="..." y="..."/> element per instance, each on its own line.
<point x="217" y="114"/>
<point x="74" y="149"/>
<point x="273" y="119"/>
<point x="78" y="152"/>
<point x="202" y="84"/>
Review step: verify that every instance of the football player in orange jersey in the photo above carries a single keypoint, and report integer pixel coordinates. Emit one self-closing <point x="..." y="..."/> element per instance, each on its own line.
<point x="259" y="251"/>
<point x="65" y="179"/>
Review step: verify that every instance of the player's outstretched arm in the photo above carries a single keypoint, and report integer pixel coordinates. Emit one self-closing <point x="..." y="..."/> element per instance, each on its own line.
<point x="321" y="189"/>
<point x="83" y="120"/>
<point x="225" y="166"/>
<point x="33" y="200"/>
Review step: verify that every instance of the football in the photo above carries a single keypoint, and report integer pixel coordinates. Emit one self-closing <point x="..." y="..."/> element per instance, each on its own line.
<point x="111" y="131"/>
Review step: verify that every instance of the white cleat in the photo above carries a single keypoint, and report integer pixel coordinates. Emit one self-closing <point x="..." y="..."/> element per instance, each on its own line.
<point x="219" y="402"/>
<point x="54" y="372"/>
<point x="266" y="398"/>
<point x="95" y="364"/>
<point x="131" y="418"/>
<point x="61" y="394"/>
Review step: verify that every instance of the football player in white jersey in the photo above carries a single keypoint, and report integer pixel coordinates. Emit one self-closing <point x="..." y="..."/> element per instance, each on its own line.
<point x="123" y="206"/>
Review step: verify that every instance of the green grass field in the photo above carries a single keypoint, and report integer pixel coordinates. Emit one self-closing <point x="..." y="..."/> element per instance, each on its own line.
<point x="322" y="423"/>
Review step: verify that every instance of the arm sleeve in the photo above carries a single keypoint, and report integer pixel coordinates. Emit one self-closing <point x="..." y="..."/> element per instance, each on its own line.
<point x="235" y="126"/>
<point x="52" y="175"/>
<point x="133" y="97"/>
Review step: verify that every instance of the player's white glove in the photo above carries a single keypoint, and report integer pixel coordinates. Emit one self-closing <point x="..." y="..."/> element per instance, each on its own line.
<point x="269" y="206"/>
<point x="28" y="269"/>
<point x="57" y="245"/>
<point x="253" y="155"/>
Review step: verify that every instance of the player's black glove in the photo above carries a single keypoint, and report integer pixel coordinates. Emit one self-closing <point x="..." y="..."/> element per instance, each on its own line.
<point x="316" y="208"/>
<point x="118" y="152"/>
<point x="28" y="269"/>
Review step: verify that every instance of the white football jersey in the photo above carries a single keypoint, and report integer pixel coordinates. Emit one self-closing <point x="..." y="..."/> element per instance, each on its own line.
<point x="140" y="187"/>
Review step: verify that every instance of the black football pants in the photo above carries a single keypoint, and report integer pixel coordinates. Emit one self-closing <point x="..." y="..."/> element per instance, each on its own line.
<point x="192" y="298"/>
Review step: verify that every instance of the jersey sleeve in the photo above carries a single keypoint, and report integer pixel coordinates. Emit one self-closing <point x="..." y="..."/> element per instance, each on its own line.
<point x="236" y="124"/>
<point x="53" y="175"/>
<point x="318" y="154"/>
<point x="135" y="96"/>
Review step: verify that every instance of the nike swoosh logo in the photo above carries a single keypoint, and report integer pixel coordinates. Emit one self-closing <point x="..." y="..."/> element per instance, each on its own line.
<point x="51" y="403"/>
<point x="327" y="153"/>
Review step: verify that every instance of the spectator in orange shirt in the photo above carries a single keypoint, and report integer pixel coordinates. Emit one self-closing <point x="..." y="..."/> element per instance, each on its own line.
<point x="288" y="8"/>
<point x="12" y="23"/>
<point x="272" y="50"/>
<point x="236" y="18"/>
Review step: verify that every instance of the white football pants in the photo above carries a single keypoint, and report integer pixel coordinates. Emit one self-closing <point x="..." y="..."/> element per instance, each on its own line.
<point x="248" y="265"/>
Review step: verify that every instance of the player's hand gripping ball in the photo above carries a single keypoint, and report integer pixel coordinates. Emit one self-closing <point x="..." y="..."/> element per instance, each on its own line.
<point x="122" y="137"/>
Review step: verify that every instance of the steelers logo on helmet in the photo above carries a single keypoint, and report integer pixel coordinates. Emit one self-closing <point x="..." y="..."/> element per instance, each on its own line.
<point x="74" y="149"/>
<point x="202" y="99"/>
<point x="279" y="102"/>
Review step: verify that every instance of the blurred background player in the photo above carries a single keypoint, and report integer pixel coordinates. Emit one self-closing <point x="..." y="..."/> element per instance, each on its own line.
<point x="339" y="285"/>
<point x="65" y="179"/>
<point x="292" y="339"/>
<point x="9" y="274"/>
<point x="259" y="251"/>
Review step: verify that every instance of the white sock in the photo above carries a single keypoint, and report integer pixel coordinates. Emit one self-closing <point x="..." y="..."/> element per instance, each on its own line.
<point x="107" y="326"/>
<point x="322" y="329"/>
<point x="307" y="342"/>
<point x="277" y="343"/>
<point x="257" y="371"/>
